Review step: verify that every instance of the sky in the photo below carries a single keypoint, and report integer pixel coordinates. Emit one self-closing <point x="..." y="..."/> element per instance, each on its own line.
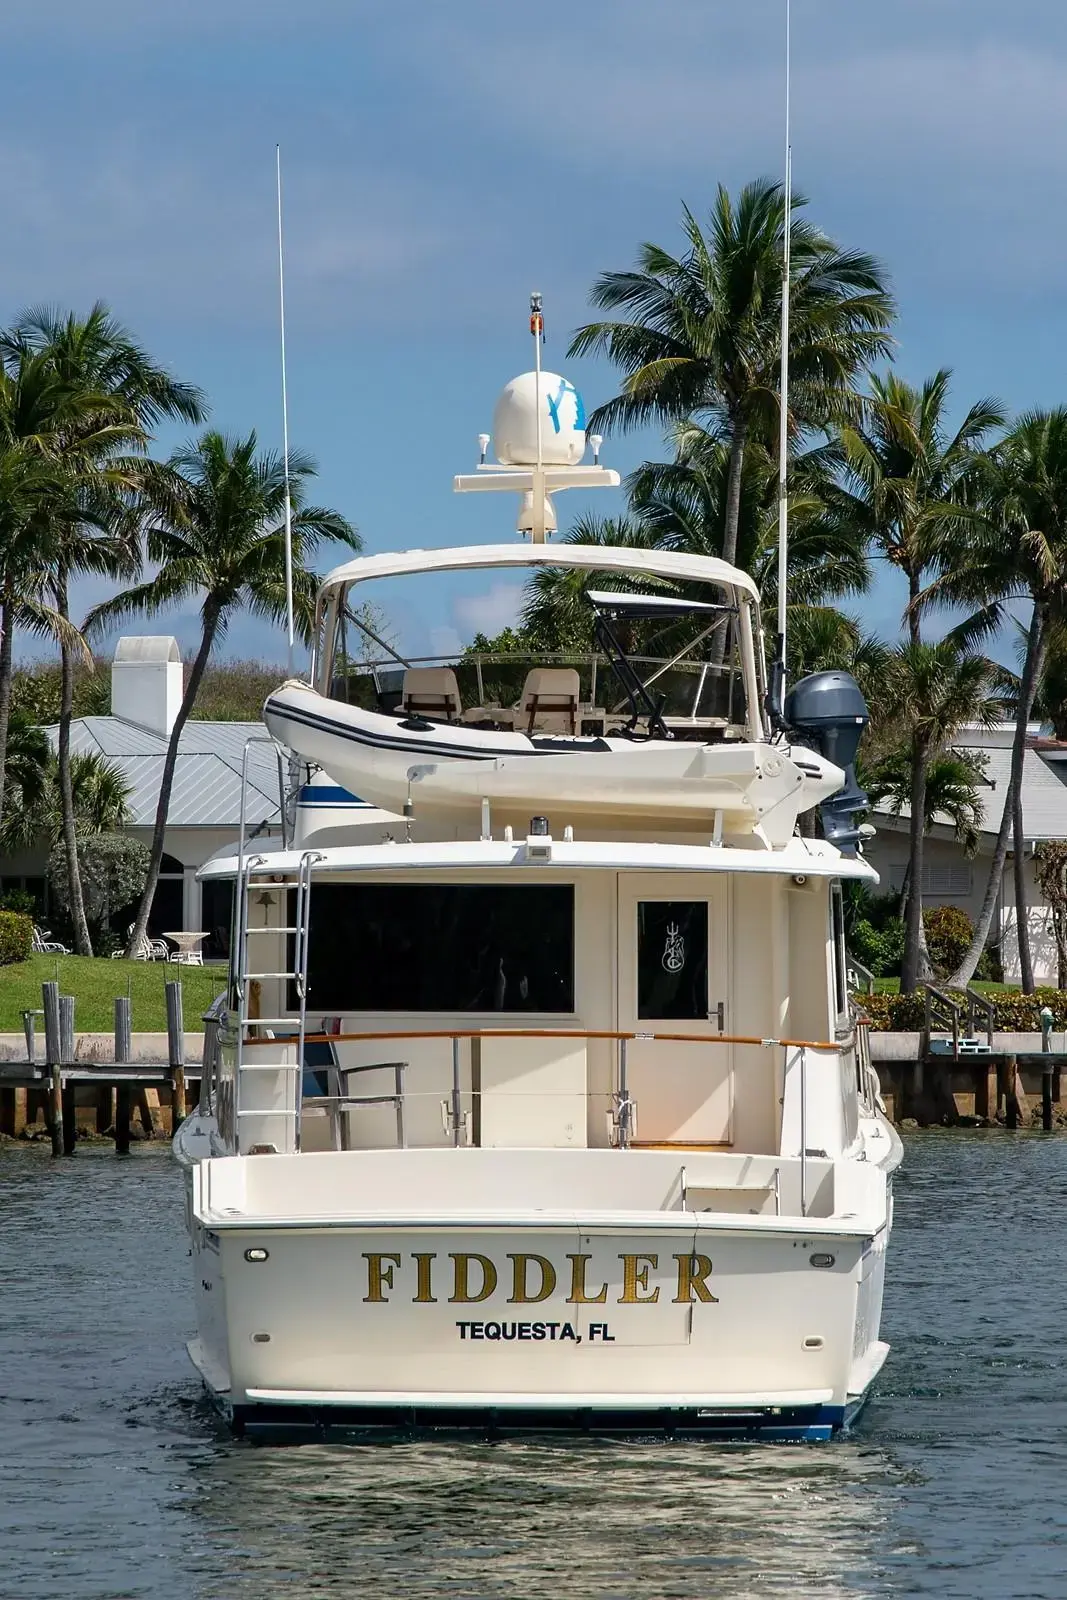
<point x="443" y="159"/>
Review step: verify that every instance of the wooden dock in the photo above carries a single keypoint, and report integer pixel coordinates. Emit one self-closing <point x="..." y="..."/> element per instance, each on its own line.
<point x="110" y="1093"/>
<point x="1003" y="1086"/>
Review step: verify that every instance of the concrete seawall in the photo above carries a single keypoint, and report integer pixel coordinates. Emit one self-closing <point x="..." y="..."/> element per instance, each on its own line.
<point x="101" y="1047"/>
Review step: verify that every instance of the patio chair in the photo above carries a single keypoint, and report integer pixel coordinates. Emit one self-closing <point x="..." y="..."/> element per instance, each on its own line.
<point x="43" y="944"/>
<point x="148" y="949"/>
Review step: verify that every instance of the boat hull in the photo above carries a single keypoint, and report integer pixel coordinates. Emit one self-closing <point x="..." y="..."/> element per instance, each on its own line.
<point x="614" y="1327"/>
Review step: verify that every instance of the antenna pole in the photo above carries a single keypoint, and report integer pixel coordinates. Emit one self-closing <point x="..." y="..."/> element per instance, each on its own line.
<point x="537" y="328"/>
<point x="290" y="631"/>
<point x="778" y="686"/>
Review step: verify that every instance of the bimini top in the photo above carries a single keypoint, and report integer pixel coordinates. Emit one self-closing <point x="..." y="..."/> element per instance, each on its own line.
<point x="592" y="557"/>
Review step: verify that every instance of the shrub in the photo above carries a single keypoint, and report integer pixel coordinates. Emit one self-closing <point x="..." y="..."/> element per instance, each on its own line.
<point x="1013" y="1012"/>
<point x="18" y="900"/>
<point x="879" y="948"/>
<point x="949" y="931"/>
<point x="113" y="869"/>
<point x="16" y="937"/>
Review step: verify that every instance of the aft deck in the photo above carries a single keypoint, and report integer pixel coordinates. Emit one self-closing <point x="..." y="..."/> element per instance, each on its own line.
<point x="645" y="1190"/>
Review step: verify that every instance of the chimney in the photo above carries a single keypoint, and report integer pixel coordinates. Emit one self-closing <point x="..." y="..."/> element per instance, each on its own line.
<point x="146" y="682"/>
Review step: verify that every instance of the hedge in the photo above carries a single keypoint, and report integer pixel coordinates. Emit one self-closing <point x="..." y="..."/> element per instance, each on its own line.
<point x="16" y="937"/>
<point x="1012" y="1012"/>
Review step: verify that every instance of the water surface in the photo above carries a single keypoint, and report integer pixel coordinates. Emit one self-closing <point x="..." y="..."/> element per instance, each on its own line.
<point x="115" y="1481"/>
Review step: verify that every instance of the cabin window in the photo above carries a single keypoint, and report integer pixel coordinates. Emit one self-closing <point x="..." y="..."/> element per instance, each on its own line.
<point x="440" y="947"/>
<point x="840" y="959"/>
<point x="672" y="960"/>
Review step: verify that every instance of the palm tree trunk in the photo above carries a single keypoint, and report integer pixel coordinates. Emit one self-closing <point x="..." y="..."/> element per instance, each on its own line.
<point x="926" y="966"/>
<point x="82" y="942"/>
<point x="732" y="519"/>
<point x="734" y="474"/>
<point x="211" y="613"/>
<point x="909" y="966"/>
<point x="1022" y="910"/>
<point x="1035" y="651"/>
<point x="914" y="625"/>
<point x="7" y="611"/>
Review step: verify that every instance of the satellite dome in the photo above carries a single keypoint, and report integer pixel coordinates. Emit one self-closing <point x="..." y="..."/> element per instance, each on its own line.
<point x="562" y="422"/>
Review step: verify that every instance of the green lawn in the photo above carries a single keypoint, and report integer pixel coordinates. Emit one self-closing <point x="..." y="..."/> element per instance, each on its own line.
<point x="892" y="986"/>
<point x="94" y="985"/>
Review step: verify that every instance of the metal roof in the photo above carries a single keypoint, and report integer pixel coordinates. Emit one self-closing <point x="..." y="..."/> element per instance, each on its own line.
<point x="207" y="777"/>
<point x="1044" y="791"/>
<point x="1044" y="794"/>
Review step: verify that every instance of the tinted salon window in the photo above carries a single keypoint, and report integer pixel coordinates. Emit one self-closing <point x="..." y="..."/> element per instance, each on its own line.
<point x="672" y="959"/>
<point x="441" y="947"/>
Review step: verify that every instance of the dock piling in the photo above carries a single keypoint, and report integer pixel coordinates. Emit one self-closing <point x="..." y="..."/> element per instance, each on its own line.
<point x="53" y="1060"/>
<point x="123" y="1045"/>
<point x="176" y="1053"/>
<point x="66" y="1053"/>
<point x="1046" y="1099"/>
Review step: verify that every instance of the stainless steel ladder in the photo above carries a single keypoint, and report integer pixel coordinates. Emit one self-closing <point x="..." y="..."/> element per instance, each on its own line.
<point x="245" y="974"/>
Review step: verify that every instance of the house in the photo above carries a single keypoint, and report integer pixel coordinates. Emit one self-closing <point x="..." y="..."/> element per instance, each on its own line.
<point x="205" y="808"/>
<point x="951" y="877"/>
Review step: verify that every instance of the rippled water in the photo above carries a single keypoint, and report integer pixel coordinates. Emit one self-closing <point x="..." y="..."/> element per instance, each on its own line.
<point x="114" y="1481"/>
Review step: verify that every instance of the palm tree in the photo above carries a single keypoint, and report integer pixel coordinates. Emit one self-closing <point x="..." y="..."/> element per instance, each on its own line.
<point x="99" y="788"/>
<point x="953" y="792"/>
<point x="906" y="479"/>
<point x="824" y="639"/>
<point x="1018" y="552"/>
<point x="681" y="505"/>
<point x="556" y="616"/>
<point x="931" y="691"/>
<point x="684" y="503"/>
<point x="218" y="533"/>
<point x="703" y="339"/>
<point x="94" y="357"/>
<point x="36" y="407"/>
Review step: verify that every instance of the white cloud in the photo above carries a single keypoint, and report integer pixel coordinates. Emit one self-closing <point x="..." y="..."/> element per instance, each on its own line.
<point x="489" y="612"/>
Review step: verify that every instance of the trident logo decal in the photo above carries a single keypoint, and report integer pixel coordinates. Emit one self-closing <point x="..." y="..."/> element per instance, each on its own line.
<point x="674" y="949"/>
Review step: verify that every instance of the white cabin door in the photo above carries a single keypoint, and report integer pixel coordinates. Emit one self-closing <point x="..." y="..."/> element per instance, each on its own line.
<point x="672" y="978"/>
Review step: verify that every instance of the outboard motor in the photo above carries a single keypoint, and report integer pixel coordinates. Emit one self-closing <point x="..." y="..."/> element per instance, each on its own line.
<point x="828" y="713"/>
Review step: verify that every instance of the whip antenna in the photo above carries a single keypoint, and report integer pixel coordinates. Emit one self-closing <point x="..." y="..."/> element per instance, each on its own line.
<point x="777" y="694"/>
<point x="290" y="632"/>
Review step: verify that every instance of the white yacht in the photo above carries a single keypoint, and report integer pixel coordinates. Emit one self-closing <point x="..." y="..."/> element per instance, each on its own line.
<point x="539" y="1101"/>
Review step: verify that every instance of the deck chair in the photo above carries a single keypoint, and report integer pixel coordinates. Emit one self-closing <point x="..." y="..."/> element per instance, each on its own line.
<point x="550" y="698"/>
<point x="431" y="692"/>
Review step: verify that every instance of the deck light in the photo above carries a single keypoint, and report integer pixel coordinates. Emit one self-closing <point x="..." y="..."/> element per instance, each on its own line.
<point x="538" y="827"/>
<point x="822" y="1259"/>
<point x="483" y="448"/>
<point x="595" y="441"/>
<point x="257" y="1254"/>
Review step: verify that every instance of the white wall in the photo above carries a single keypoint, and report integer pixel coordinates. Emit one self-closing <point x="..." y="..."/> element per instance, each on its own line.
<point x="890" y="848"/>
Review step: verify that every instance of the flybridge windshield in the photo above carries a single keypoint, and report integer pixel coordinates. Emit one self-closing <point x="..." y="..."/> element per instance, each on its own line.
<point x="650" y="644"/>
<point x="656" y="666"/>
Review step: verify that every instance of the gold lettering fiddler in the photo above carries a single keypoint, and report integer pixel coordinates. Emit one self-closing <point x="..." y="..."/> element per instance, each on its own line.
<point x="692" y="1272"/>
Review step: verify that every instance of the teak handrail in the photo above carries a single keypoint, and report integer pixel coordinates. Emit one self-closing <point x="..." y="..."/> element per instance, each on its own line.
<point x="558" y="1033"/>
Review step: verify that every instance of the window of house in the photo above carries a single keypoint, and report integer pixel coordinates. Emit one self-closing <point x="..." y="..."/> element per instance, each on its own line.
<point x="440" y="947"/>
<point x="672" y="960"/>
<point x="216" y="915"/>
<point x="953" y="880"/>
